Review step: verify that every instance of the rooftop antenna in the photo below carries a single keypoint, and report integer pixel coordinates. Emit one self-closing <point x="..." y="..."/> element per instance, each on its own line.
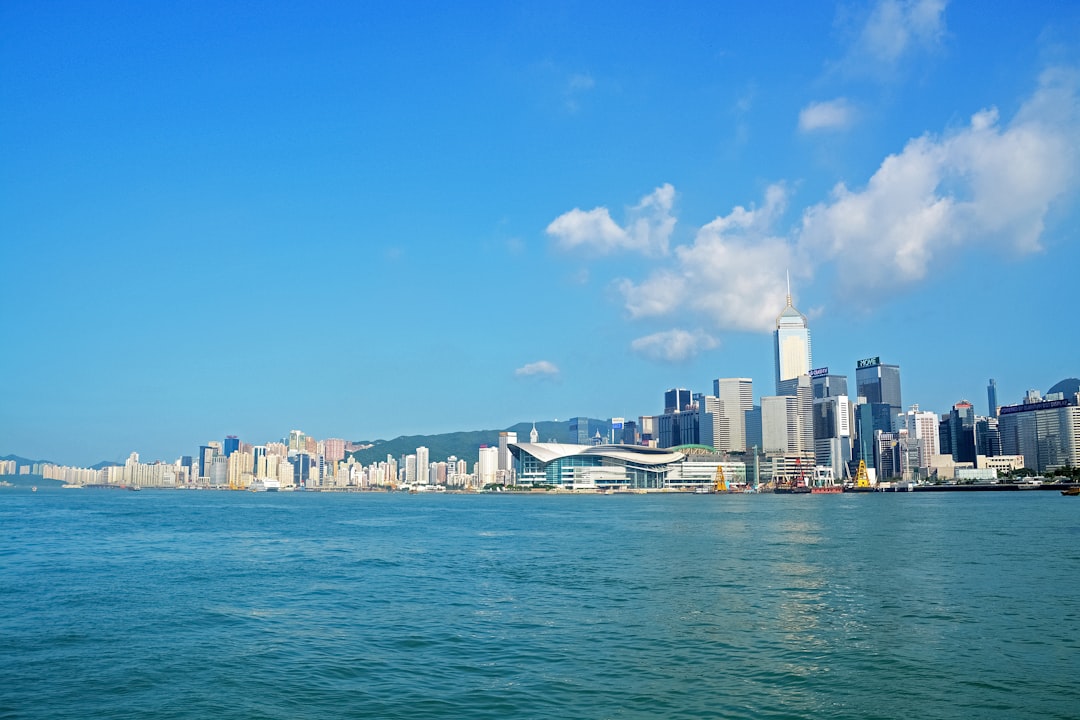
<point x="788" y="273"/>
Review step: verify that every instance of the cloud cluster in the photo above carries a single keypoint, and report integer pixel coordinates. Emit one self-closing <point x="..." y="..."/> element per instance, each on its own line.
<point x="983" y="184"/>
<point x="673" y="345"/>
<point x="987" y="184"/>
<point x="733" y="272"/>
<point x="892" y="30"/>
<point x="540" y="368"/>
<point x="648" y="228"/>
<point x="836" y="114"/>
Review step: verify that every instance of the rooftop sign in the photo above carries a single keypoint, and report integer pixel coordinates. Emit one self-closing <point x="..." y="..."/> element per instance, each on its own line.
<point x="868" y="362"/>
<point x="1029" y="407"/>
<point x="819" y="372"/>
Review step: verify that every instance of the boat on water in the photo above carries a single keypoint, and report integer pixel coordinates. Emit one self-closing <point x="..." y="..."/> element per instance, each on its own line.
<point x="1071" y="492"/>
<point x="826" y="489"/>
<point x="265" y="485"/>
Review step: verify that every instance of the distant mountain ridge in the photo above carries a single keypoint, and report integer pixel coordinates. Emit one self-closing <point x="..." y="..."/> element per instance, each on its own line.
<point x="20" y="461"/>
<point x="465" y="445"/>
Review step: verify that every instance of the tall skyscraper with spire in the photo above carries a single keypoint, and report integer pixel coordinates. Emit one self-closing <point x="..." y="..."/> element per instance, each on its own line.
<point x="791" y="341"/>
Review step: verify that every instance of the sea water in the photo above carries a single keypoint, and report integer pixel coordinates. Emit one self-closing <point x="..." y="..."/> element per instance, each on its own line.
<point x="184" y="604"/>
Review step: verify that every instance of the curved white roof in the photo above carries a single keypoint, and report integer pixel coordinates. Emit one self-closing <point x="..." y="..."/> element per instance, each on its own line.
<point x="547" y="452"/>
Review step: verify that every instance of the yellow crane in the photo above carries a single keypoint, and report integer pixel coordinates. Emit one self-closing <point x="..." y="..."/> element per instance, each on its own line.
<point x="862" y="478"/>
<point x="721" y="484"/>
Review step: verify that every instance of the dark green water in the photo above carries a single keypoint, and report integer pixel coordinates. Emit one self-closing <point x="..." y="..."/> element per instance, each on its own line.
<point x="176" y="604"/>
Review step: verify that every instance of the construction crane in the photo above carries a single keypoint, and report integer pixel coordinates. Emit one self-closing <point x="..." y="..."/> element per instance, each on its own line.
<point x="720" y="484"/>
<point x="862" y="478"/>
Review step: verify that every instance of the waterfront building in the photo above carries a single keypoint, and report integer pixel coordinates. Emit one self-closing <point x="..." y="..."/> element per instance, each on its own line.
<point x="736" y="398"/>
<point x="593" y="467"/>
<point x="1002" y="464"/>
<point x="803" y="421"/>
<point x="239" y="469"/>
<point x="879" y="382"/>
<point x="779" y="424"/>
<point x="487" y="465"/>
<point x="258" y="461"/>
<point x="987" y="436"/>
<point x="870" y="418"/>
<point x="886" y="454"/>
<point x="506" y="460"/>
<point x="791" y="344"/>
<point x="956" y="432"/>
<point x="302" y="468"/>
<point x="922" y="433"/>
<point x="753" y="429"/>
<point x="1046" y="433"/>
<point x="218" y="474"/>
<point x="832" y="433"/>
<point x="422" y="460"/>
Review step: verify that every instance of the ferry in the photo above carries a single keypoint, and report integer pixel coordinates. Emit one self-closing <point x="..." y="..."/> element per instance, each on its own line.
<point x="265" y="485"/>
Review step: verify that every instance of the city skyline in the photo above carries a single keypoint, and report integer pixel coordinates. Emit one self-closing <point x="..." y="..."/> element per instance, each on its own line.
<point x="307" y="227"/>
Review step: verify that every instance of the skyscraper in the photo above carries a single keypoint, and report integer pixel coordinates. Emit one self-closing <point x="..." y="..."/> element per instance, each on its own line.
<point x="991" y="398"/>
<point x="960" y="425"/>
<point x="579" y="430"/>
<point x="676" y="400"/>
<point x="232" y="444"/>
<point x="880" y="383"/>
<point x="791" y="342"/>
<point x="736" y="396"/>
<point x="423" y="460"/>
<point x="506" y="460"/>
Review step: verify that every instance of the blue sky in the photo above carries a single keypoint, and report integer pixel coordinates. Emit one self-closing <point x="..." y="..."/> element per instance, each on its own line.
<point x="364" y="220"/>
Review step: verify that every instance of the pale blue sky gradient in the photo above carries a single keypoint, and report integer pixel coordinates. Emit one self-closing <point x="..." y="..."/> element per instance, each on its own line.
<point x="243" y="218"/>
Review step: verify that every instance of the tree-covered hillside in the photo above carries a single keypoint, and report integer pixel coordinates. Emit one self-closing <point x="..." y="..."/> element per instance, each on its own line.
<point x="465" y="445"/>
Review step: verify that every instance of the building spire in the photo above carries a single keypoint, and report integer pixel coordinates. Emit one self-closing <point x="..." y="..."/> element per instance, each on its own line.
<point x="788" y="273"/>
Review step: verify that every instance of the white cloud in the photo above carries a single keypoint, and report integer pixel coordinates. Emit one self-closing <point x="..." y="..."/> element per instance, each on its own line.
<point x="835" y="114"/>
<point x="983" y="184"/>
<point x="733" y="272"/>
<point x="892" y="30"/>
<point x="577" y="85"/>
<point x="541" y="368"/>
<point x="648" y="228"/>
<point x="988" y="185"/>
<point x="673" y="345"/>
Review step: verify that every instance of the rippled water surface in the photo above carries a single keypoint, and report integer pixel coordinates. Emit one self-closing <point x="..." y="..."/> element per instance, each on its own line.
<point x="175" y="604"/>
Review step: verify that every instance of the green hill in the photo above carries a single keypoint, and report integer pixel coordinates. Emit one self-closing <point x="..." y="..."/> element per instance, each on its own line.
<point x="466" y="444"/>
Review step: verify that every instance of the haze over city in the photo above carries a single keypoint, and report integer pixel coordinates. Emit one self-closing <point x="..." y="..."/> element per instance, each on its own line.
<point x="374" y="221"/>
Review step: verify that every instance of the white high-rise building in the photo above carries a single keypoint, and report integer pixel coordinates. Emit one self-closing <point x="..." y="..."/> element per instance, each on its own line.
<point x="487" y="465"/>
<point x="791" y="343"/>
<point x="736" y="397"/>
<point x="506" y="460"/>
<point x="422" y="462"/>
<point x="779" y="424"/>
<point x="922" y="429"/>
<point x="712" y="424"/>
